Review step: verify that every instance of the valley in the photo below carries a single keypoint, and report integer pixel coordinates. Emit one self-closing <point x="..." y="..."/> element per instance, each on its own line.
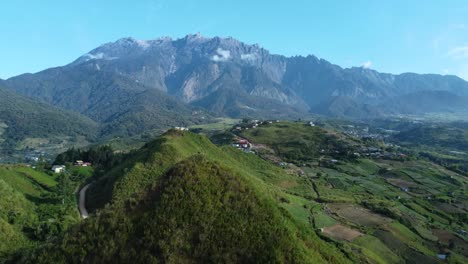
<point x="324" y="192"/>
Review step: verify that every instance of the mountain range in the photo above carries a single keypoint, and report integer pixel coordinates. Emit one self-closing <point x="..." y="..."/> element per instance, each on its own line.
<point x="130" y="86"/>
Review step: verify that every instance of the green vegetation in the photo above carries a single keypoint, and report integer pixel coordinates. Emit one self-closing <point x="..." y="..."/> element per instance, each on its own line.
<point x="222" y="123"/>
<point x="179" y="197"/>
<point x="22" y="118"/>
<point x="405" y="199"/>
<point x="35" y="206"/>
<point x="299" y="142"/>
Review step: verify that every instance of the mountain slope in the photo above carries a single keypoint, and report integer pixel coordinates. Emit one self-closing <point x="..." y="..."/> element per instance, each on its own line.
<point x="122" y="106"/>
<point x="343" y="106"/>
<point x="182" y="199"/>
<point x="196" y="70"/>
<point x="233" y="103"/>
<point x="21" y="117"/>
<point x="426" y="102"/>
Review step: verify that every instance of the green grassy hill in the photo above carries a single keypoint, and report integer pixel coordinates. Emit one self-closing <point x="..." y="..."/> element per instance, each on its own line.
<point x="297" y="141"/>
<point x="182" y="199"/>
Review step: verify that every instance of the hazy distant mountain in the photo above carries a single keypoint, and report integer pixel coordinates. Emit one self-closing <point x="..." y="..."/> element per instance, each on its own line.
<point x="344" y="106"/>
<point x="121" y="105"/>
<point x="223" y="75"/>
<point x="22" y="117"/>
<point x="426" y="102"/>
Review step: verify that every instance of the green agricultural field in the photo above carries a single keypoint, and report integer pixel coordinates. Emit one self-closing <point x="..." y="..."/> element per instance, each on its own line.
<point x="392" y="198"/>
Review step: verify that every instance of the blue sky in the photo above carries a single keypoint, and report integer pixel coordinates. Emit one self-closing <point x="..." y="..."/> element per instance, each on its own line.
<point x="389" y="36"/>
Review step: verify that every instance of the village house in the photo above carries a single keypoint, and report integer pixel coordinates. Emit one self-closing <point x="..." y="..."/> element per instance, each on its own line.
<point x="181" y="128"/>
<point x="82" y="163"/>
<point x="244" y="143"/>
<point x="58" y="168"/>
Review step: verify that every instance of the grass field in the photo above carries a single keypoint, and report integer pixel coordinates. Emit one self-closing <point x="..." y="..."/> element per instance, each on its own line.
<point x="341" y="232"/>
<point x="358" y="215"/>
<point x="375" y="251"/>
<point x="220" y="124"/>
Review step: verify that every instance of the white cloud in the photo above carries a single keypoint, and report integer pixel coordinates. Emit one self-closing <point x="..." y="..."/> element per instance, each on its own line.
<point x="249" y="56"/>
<point x="98" y="56"/>
<point x="143" y="43"/>
<point x="367" y="64"/>
<point x="221" y="55"/>
<point x="460" y="52"/>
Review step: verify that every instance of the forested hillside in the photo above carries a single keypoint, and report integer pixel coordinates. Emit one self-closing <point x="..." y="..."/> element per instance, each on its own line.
<point x="22" y="118"/>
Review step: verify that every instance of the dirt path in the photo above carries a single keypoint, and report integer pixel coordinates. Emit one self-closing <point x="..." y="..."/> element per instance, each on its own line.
<point x="82" y="202"/>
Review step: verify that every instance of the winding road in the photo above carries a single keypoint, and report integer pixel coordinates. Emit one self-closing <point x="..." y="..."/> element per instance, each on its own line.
<point x="82" y="202"/>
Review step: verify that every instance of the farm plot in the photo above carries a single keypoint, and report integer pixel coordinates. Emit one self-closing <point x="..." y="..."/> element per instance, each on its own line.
<point x="401" y="183"/>
<point x="410" y="254"/>
<point x="341" y="232"/>
<point x="358" y="215"/>
<point x="447" y="239"/>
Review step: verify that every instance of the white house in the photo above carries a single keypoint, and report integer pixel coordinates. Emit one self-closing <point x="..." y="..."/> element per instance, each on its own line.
<point x="58" y="168"/>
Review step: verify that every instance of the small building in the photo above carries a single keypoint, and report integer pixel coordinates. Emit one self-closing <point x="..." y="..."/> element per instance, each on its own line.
<point x="181" y="128"/>
<point x="442" y="256"/>
<point x="58" y="168"/>
<point x="82" y="163"/>
<point x="243" y="143"/>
